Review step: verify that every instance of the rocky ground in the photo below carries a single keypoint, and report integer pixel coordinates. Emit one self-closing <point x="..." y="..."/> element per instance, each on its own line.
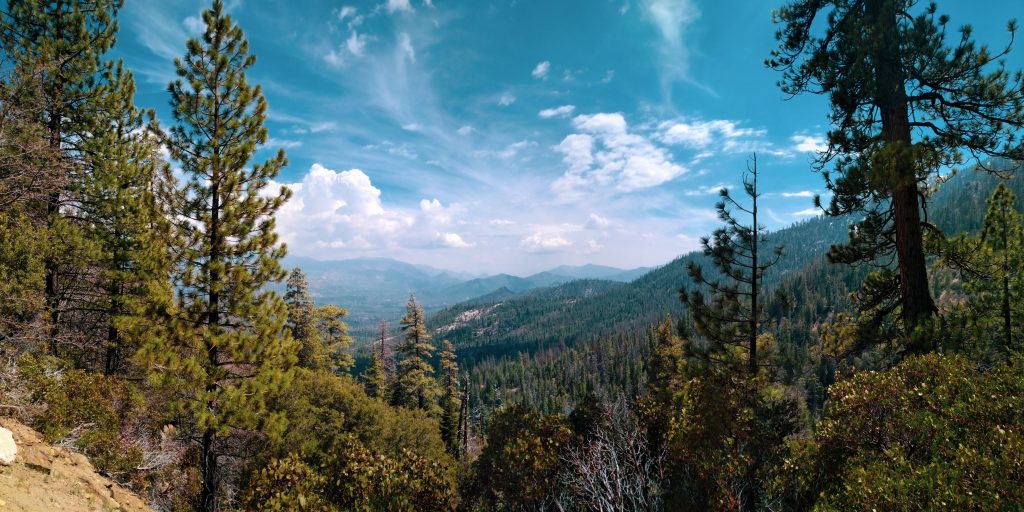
<point x="44" y="478"/>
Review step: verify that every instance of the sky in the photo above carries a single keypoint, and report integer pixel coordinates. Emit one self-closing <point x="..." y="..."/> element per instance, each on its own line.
<point x="513" y="136"/>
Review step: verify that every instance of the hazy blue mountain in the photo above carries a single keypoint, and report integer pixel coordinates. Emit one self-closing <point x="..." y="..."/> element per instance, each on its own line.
<point x="591" y="271"/>
<point x="373" y="289"/>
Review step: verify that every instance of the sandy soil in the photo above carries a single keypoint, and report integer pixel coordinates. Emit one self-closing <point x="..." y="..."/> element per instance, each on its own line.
<point x="45" y="478"/>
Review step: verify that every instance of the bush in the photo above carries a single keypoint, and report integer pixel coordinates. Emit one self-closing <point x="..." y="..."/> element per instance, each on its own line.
<point x="89" y="410"/>
<point x="287" y="484"/>
<point x="933" y="433"/>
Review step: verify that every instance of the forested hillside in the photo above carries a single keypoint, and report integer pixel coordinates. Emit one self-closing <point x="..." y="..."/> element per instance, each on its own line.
<point x="552" y="347"/>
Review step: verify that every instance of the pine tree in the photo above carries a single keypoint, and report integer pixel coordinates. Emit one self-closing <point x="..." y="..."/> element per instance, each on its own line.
<point x="227" y="348"/>
<point x="302" y="322"/>
<point x="373" y="377"/>
<point x="904" y="105"/>
<point x="334" y="333"/>
<point x="118" y="199"/>
<point x="415" y="387"/>
<point x="450" y="397"/>
<point x="384" y="351"/>
<point x="991" y="262"/>
<point x="732" y="320"/>
<point x="62" y="42"/>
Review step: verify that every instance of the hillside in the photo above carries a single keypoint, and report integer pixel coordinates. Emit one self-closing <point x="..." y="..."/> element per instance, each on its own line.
<point x="44" y="478"/>
<point x="565" y="330"/>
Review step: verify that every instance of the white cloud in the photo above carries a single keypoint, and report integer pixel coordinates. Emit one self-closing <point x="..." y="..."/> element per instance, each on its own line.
<point x="506" y="100"/>
<point x="541" y="70"/>
<point x="346" y="12"/>
<point x="412" y="127"/>
<point x="544" y="242"/>
<point x="802" y="193"/>
<point x="338" y="209"/>
<point x="672" y="18"/>
<point x="700" y="134"/>
<point x="453" y="240"/>
<point x="355" y="44"/>
<point x="605" y="153"/>
<point x="608" y="76"/>
<point x="596" y="221"/>
<point x="405" y="44"/>
<point x="706" y="190"/>
<point x="282" y="143"/>
<point x="501" y="222"/>
<point x="809" y="212"/>
<point x="394" y="6"/>
<point x="563" y="111"/>
<point x="465" y="130"/>
<point x="333" y="210"/>
<point x="809" y="144"/>
<point x="195" y="25"/>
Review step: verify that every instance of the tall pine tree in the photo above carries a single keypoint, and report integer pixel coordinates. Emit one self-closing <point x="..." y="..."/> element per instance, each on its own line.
<point x="904" y="105"/>
<point x="415" y="387"/>
<point x="118" y="197"/>
<point x="731" y="318"/>
<point x="450" y="397"/>
<point x="228" y="347"/>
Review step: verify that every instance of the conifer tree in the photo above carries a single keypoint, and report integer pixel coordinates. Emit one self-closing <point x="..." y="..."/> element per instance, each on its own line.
<point x="731" y="319"/>
<point x="991" y="262"/>
<point x="62" y="43"/>
<point x="334" y="333"/>
<point x="118" y="199"/>
<point x="373" y="377"/>
<point x="227" y="348"/>
<point x="450" y="397"/>
<point x="415" y="387"/>
<point x="302" y="322"/>
<point x="904" y="104"/>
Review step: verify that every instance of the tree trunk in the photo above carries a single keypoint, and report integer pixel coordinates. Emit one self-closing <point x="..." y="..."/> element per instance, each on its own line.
<point x="755" y="275"/>
<point x="916" y="299"/>
<point x="208" y="472"/>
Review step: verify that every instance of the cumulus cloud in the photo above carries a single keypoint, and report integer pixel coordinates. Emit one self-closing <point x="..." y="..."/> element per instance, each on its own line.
<point x="809" y="144"/>
<point x="332" y="210"/>
<point x="563" y="111"/>
<point x="801" y="193"/>
<point x="714" y="135"/>
<point x="605" y="153"/>
<point x="541" y="70"/>
<point x="465" y="130"/>
<point x="506" y="100"/>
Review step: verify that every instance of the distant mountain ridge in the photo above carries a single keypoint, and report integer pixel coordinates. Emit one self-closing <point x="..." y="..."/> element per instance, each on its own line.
<point x="373" y="289"/>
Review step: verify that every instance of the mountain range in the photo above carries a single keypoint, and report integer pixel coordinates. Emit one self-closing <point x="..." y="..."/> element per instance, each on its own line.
<point x="374" y="289"/>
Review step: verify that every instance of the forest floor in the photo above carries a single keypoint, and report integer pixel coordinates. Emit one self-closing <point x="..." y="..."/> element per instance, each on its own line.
<point x="45" y="477"/>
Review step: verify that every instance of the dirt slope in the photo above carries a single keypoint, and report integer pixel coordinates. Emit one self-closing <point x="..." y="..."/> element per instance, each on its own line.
<point x="45" y="478"/>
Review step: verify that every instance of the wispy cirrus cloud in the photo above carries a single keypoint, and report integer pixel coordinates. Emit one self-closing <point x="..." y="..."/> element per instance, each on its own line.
<point x="563" y="111"/>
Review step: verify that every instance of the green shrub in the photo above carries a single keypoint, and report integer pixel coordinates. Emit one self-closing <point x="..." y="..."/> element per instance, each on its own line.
<point x="933" y="433"/>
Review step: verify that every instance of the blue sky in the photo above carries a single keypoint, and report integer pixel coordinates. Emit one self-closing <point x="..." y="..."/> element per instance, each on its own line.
<point x="516" y="135"/>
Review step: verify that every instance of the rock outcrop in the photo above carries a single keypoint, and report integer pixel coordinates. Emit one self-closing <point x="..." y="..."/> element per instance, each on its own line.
<point x="43" y="478"/>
